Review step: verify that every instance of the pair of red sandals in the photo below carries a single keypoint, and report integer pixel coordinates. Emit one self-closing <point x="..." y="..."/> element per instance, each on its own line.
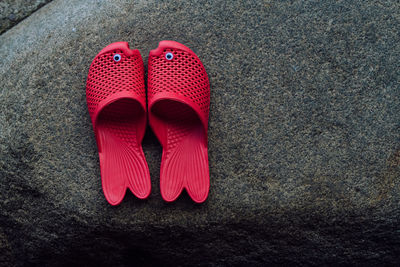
<point x="178" y="101"/>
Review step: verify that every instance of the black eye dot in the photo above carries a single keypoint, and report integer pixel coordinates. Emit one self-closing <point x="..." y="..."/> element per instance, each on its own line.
<point x="117" y="57"/>
<point x="169" y="56"/>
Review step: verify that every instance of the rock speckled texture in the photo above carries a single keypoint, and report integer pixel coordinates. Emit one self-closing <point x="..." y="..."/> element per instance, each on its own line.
<point x="13" y="11"/>
<point x="304" y="136"/>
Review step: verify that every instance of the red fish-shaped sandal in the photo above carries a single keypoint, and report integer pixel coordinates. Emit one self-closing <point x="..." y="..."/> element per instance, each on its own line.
<point x="116" y="100"/>
<point x="179" y="101"/>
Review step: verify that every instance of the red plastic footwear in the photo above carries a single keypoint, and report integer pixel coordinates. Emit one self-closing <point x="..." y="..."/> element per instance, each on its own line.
<point x="179" y="101"/>
<point x="116" y="101"/>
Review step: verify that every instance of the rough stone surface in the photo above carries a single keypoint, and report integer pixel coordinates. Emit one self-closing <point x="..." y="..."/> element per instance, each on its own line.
<point x="13" y="11"/>
<point x="304" y="136"/>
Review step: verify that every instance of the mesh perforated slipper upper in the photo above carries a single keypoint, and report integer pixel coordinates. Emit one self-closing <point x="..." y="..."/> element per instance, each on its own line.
<point x="108" y="76"/>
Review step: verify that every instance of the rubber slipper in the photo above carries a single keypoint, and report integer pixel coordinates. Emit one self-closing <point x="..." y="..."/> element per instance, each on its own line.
<point x="116" y="101"/>
<point x="179" y="100"/>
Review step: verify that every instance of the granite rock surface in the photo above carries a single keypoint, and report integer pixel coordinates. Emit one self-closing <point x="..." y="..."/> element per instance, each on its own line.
<point x="304" y="136"/>
<point x="14" y="11"/>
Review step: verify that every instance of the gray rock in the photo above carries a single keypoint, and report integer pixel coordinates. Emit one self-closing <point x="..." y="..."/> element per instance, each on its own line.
<point x="13" y="11"/>
<point x="304" y="136"/>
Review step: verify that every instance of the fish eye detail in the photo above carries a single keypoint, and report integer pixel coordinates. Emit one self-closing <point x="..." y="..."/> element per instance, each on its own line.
<point x="117" y="57"/>
<point x="169" y="56"/>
